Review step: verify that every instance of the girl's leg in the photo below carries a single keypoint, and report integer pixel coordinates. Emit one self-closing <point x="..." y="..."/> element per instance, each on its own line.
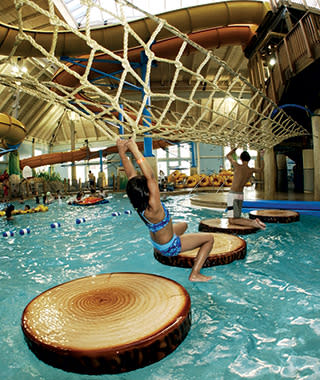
<point x="192" y="241"/>
<point x="179" y="228"/>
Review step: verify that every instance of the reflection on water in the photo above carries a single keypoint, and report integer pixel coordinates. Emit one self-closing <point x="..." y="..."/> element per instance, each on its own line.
<point x="258" y="317"/>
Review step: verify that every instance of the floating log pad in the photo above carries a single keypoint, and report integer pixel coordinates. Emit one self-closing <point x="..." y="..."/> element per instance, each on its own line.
<point x="226" y="249"/>
<point x="110" y="323"/>
<point x="275" y="216"/>
<point x="223" y="225"/>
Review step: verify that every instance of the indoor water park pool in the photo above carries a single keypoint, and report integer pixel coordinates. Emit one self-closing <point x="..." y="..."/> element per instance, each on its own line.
<point x="258" y="318"/>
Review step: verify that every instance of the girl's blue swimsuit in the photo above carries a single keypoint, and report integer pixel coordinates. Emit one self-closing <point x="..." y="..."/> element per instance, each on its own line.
<point x="173" y="247"/>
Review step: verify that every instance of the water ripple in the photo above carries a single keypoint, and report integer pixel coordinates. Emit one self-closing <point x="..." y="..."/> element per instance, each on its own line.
<point x="258" y="318"/>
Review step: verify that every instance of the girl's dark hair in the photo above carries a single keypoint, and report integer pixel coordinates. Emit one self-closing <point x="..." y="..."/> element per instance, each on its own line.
<point x="245" y="156"/>
<point x="138" y="192"/>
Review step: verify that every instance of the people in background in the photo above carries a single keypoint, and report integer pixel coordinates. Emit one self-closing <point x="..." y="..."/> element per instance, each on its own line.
<point x="8" y="211"/>
<point x="5" y="185"/>
<point x="92" y="180"/>
<point x="77" y="198"/>
<point x="101" y="194"/>
<point x="49" y="197"/>
<point x="37" y="198"/>
<point x="58" y="196"/>
<point x="162" y="181"/>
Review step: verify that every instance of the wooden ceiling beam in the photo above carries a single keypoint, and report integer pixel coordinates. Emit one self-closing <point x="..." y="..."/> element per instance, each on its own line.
<point x="84" y="129"/>
<point x="6" y="97"/>
<point x="29" y="117"/>
<point x="46" y="117"/>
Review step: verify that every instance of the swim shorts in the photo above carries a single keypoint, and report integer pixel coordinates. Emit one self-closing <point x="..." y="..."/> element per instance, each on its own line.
<point x="234" y="204"/>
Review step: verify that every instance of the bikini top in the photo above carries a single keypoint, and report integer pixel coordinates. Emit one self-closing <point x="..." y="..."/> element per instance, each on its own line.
<point x="155" y="227"/>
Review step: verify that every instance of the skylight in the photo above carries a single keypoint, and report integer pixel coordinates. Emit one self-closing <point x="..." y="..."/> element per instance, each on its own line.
<point x="74" y="11"/>
<point x="77" y="11"/>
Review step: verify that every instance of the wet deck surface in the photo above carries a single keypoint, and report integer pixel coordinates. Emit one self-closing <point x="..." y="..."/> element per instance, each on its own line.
<point x="213" y="199"/>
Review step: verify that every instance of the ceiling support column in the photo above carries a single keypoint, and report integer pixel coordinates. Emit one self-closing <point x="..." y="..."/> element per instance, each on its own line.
<point x="269" y="174"/>
<point x="316" y="153"/>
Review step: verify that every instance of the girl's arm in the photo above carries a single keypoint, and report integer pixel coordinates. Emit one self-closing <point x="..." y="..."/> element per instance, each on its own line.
<point x="141" y="161"/>
<point x="127" y="164"/>
<point x="147" y="172"/>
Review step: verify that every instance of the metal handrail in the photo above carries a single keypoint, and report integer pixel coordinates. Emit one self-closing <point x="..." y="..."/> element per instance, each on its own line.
<point x="196" y="185"/>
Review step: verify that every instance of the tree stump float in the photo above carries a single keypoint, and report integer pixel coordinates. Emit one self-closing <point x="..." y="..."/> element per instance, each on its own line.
<point x="275" y="216"/>
<point x="223" y="225"/>
<point x="226" y="248"/>
<point x="110" y="323"/>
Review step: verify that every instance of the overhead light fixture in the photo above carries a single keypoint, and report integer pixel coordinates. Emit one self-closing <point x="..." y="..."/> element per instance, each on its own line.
<point x="74" y="116"/>
<point x="272" y="61"/>
<point x="15" y="69"/>
<point x="18" y="70"/>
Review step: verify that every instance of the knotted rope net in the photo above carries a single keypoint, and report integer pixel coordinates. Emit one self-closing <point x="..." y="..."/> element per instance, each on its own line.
<point x="115" y="87"/>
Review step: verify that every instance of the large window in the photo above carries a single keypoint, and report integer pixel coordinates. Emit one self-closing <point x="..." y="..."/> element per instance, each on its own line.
<point x="175" y="157"/>
<point x="82" y="171"/>
<point x="45" y="168"/>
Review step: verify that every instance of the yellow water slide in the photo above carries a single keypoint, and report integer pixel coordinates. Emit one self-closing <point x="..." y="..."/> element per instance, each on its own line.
<point x="12" y="131"/>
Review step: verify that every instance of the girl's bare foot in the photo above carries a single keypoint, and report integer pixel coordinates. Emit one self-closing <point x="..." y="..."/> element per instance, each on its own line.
<point x="199" y="278"/>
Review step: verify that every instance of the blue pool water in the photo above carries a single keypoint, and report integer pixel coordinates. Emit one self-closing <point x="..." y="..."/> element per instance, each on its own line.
<point x="258" y="318"/>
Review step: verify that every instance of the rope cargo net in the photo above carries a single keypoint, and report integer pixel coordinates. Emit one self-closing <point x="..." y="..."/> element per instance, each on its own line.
<point x="227" y="116"/>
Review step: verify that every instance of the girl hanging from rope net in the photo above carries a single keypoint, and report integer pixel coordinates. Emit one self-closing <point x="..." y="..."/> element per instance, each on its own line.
<point x="166" y="237"/>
